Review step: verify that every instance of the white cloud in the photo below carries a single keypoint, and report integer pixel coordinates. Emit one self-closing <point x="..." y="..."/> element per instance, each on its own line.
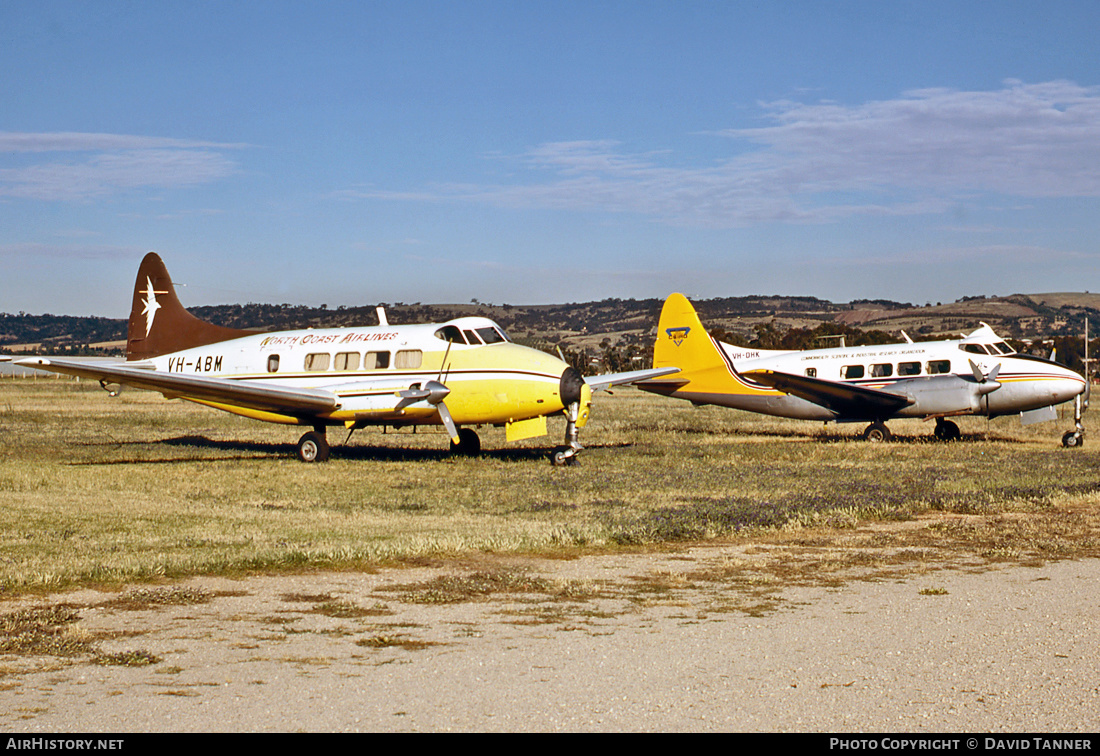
<point x="38" y="251"/>
<point x="106" y="164"/>
<point x="1040" y="140"/>
<point x="919" y="153"/>
<point x="83" y="142"/>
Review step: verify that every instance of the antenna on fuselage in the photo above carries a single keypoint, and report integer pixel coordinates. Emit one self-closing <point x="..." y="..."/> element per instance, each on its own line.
<point x="382" y="316"/>
<point x="1087" y="360"/>
<point x="1084" y="399"/>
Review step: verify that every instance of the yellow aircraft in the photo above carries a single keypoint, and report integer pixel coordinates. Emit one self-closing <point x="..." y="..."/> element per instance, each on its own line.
<point x="465" y="372"/>
<point x="978" y="374"/>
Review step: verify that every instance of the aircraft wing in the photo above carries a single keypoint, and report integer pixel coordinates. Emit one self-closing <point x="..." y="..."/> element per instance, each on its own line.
<point x="598" y="382"/>
<point x="255" y="395"/>
<point x="846" y="399"/>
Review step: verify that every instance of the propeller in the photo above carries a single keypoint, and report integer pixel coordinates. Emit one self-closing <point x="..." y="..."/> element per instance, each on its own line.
<point x="433" y="392"/>
<point x="987" y="382"/>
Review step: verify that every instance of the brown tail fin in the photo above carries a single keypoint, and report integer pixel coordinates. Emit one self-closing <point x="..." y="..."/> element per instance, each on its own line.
<point x="158" y="322"/>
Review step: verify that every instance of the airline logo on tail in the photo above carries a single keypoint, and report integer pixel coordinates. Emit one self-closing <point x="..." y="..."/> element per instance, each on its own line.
<point x="678" y="334"/>
<point x="151" y="304"/>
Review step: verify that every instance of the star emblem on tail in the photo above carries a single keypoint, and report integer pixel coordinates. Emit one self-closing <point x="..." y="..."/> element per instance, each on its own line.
<point x="151" y="304"/>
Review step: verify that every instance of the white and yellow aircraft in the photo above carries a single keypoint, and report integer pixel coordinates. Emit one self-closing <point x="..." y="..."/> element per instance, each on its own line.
<point x="464" y="372"/>
<point x="978" y="374"/>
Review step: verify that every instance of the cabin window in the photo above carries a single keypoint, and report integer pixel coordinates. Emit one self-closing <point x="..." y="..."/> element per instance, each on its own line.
<point x="317" y="361"/>
<point x="347" y="361"/>
<point x="811" y="372"/>
<point x="936" y="367"/>
<point x="885" y="370"/>
<point x="851" y="371"/>
<point x="450" y="333"/>
<point x="490" y="335"/>
<point x="973" y="348"/>
<point x="376" y="360"/>
<point x="908" y="368"/>
<point x="273" y="363"/>
<point x="408" y="359"/>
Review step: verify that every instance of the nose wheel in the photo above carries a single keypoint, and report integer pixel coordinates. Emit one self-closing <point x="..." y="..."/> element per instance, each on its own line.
<point x="1076" y="437"/>
<point x="563" y="455"/>
<point x="567" y="454"/>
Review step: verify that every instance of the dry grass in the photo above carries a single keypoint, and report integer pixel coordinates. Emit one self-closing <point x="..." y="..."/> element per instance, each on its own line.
<point x="394" y="641"/>
<point x="331" y="606"/>
<point x="148" y="598"/>
<point x="52" y="631"/>
<point x="45" y="631"/>
<point x="101" y="491"/>
<point x="487" y="584"/>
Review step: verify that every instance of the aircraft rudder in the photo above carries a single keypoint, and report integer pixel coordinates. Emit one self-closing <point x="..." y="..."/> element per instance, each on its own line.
<point x="682" y="341"/>
<point x="158" y="323"/>
<point x="152" y="289"/>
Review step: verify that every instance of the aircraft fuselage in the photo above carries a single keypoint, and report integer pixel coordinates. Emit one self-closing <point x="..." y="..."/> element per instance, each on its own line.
<point x="938" y="379"/>
<point x="977" y="374"/>
<point x="365" y="367"/>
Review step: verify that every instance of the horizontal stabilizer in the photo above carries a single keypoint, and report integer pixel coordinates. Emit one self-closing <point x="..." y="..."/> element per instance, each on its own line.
<point x="663" y="385"/>
<point x="597" y="382"/>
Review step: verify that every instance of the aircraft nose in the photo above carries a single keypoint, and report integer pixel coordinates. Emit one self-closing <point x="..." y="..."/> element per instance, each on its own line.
<point x="1070" y="387"/>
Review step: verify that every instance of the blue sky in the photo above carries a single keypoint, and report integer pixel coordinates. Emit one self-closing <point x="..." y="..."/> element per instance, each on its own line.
<point x="544" y="152"/>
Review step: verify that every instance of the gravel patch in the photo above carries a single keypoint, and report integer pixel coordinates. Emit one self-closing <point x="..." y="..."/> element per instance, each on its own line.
<point x="674" y="641"/>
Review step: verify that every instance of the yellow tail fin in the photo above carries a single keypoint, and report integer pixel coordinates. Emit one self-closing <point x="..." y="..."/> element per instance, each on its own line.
<point x="683" y="342"/>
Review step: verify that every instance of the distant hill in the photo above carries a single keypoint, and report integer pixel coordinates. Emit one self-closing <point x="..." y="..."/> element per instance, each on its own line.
<point x="614" y="334"/>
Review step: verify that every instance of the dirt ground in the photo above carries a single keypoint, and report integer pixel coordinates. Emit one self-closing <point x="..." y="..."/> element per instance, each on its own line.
<point x="682" y="640"/>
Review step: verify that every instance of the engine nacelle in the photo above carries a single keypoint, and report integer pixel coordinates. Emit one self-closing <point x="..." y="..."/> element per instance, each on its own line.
<point x="942" y="395"/>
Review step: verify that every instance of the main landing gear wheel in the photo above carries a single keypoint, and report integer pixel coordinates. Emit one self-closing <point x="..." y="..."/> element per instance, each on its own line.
<point x="947" y="431"/>
<point x="468" y="443"/>
<point x="1072" y="439"/>
<point x="312" y="447"/>
<point x="877" y="433"/>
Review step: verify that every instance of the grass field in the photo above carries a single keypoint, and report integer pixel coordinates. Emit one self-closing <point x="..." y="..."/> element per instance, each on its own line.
<point x="99" y="491"/>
